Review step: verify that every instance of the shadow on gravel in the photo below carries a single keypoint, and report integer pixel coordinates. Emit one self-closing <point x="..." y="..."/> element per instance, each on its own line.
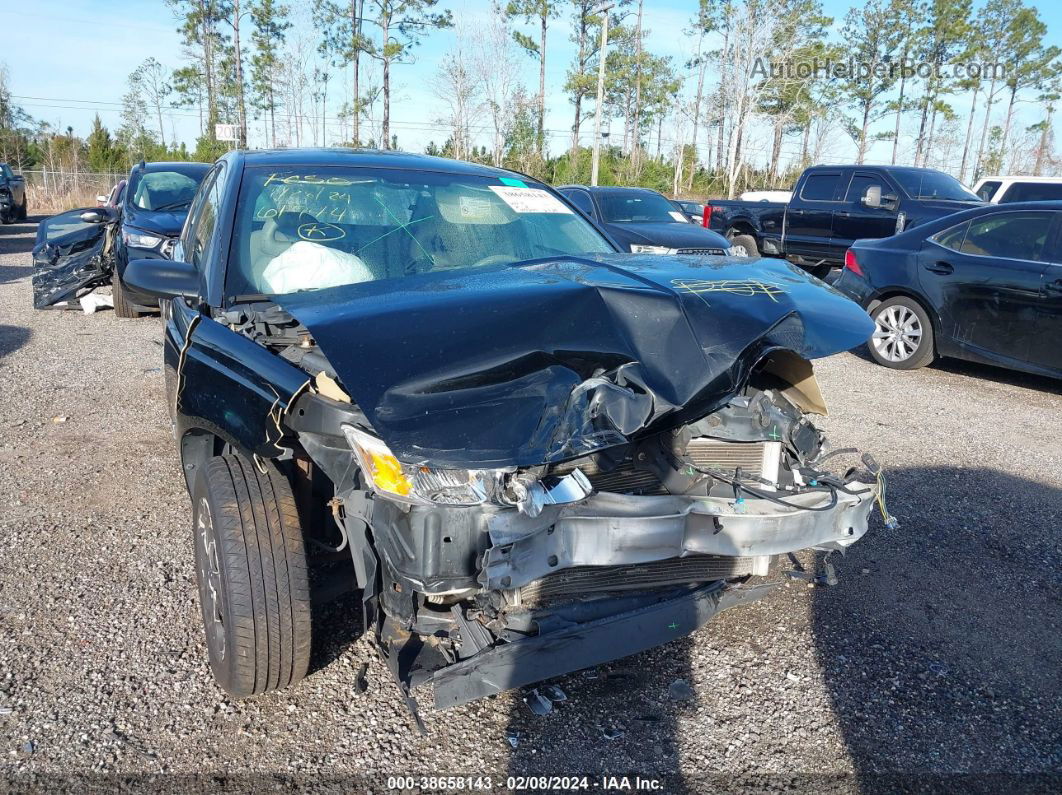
<point x="940" y="645"/>
<point x="18" y="238"/>
<point x="12" y="273"/>
<point x="999" y="375"/>
<point x="12" y="338"/>
<point x="336" y="612"/>
<point x="619" y="720"/>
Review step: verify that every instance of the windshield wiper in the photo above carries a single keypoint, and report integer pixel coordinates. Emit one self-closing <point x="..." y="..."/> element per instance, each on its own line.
<point x="173" y="205"/>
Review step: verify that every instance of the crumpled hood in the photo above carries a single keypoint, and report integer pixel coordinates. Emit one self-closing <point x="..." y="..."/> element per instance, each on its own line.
<point x="542" y="362"/>
<point x="167" y="223"/>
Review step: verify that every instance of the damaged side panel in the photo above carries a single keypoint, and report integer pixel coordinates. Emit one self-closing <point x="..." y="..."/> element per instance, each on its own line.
<point x="68" y="256"/>
<point x="227" y="384"/>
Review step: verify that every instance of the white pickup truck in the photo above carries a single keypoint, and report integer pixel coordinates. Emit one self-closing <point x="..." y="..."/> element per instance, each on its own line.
<point x="1000" y="190"/>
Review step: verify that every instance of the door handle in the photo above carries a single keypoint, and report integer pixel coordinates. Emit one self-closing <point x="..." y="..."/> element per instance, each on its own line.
<point x="943" y="268"/>
<point x="1054" y="287"/>
<point x="844" y="215"/>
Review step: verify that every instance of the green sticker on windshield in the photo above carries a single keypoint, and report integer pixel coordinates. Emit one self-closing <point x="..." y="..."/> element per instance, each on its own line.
<point x="513" y="183"/>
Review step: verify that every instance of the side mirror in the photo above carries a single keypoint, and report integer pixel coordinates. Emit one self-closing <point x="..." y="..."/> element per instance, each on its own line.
<point x="100" y="215"/>
<point x="163" y="278"/>
<point x="872" y="198"/>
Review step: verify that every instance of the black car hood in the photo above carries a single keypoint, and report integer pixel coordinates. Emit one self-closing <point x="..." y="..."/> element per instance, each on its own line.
<point x="167" y="223"/>
<point x="546" y="361"/>
<point x="672" y="235"/>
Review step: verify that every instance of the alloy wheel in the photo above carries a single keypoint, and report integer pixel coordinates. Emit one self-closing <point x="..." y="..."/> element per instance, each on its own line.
<point x="897" y="333"/>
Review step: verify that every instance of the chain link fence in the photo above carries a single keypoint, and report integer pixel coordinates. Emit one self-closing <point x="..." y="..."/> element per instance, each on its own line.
<point x="54" y="191"/>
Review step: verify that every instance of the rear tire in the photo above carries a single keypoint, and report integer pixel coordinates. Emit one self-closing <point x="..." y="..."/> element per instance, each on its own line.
<point x="253" y="584"/>
<point x="747" y="242"/>
<point x="122" y="306"/>
<point x="903" y="334"/>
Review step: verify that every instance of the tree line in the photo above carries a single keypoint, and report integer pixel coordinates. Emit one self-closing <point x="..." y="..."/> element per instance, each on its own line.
<point x="767" y="87"/>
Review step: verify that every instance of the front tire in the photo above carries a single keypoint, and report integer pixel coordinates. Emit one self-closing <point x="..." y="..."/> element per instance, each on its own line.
<point x="903" y="334"/>
<point x="253" y="584"/>
<point x="23" y="211"/>
<point x="122" y="305"/>
<point x="746" y="242"/>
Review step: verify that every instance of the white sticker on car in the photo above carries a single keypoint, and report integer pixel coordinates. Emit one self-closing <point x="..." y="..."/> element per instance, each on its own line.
<point x="678" y="216"/>
<point x="530" y="200"/>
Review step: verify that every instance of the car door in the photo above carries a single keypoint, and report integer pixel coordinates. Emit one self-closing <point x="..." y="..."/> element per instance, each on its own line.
<point x="984" y="277"/>
<point x="809" y="217"/>
<point x="70" y="255"/>
<point x="1046" y="347"/>
<point x="855" y="219"/>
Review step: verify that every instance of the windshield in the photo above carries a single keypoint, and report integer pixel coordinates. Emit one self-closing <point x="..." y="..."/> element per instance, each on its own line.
<point x="311" y="228"/>
<point x="637" y="206"/>
<point x="933" y="185"/>
<point x="164" y="190"/>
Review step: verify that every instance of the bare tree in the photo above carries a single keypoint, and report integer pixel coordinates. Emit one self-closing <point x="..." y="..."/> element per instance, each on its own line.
<point x="495" y="64"/>
<point x="457" y="85"/>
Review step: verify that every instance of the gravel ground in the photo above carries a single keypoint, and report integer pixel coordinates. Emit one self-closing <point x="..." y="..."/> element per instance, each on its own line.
<point x="937" y="654"/>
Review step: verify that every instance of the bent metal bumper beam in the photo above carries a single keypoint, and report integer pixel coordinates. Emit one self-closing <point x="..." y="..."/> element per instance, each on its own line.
<point x="586" y="644"/>
<point x="614" y="529"/>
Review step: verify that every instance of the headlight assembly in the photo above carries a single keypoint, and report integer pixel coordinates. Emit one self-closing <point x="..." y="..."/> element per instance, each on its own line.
<point x="414" y="484"/>
<point x="140" y="239"/>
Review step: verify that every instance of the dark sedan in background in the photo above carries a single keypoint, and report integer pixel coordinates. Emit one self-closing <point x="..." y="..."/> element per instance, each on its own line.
<point x="644" y="222"/>
<point x="983" y="285"/>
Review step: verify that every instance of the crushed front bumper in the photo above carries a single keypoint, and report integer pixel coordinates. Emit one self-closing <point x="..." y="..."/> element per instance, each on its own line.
<point x="616" y="529"/>
<point x="587" y="643"/>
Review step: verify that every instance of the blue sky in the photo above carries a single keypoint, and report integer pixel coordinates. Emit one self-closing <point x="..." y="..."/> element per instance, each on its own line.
<point x="69" y="59"/>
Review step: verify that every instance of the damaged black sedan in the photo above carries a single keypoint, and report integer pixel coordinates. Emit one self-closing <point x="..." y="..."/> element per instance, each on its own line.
<point x="541" y="453"/>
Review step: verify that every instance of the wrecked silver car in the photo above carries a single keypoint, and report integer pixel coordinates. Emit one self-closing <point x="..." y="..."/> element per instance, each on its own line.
<point x="541" y="454"/>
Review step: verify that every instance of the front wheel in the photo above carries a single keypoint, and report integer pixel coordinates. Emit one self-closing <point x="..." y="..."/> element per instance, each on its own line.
<point x="253" y="584"/>
<point x="23" y="211"/>
<point x="903" y="334"/>
<point x="123" y="307"/>
<point x="744" y="246"/>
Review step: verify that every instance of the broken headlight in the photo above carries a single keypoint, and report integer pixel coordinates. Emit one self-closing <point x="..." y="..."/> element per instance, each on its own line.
<point x="417" y="484"/>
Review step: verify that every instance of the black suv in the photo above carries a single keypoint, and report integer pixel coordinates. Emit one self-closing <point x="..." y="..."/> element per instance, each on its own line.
<point x="85" y="248"/>
<point x="541" y="453"/>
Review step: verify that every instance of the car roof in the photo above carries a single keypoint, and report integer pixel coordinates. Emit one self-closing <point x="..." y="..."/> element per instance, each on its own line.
<point x="1019" y="178"/>
<point x="367" y="158"/>
<point x="172" y="165"/>
<point x="612" y="189"/>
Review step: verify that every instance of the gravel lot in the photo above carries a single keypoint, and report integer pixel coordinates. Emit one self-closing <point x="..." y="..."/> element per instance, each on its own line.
<point x="937" y="654"/>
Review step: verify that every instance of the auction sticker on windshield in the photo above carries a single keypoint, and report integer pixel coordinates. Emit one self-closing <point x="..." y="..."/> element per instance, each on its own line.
<point x="530" y="200"/>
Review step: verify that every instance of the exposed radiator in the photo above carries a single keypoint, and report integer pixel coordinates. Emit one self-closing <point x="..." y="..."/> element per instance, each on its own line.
<point x="755" y="458"/>
<point x="674" y="571"/>
<point x="624" y="479"/>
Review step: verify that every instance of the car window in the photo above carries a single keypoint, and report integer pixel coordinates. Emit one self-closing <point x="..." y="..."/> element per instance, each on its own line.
<point x="929" y="184"/>
<point x="857" y="188"/>
<point x="988" y="190"/>
<point x="185" y="243"/>
<point x="6" y="172"/>
<point x="637" y="206"/>
<point x="1033" y="192"/>
<point x="820" y="187"/>
<point x="206" y="220"/>
<point x="57" y="226"/>
<point x="307" y="228"/>
<point x="1019" y="235"/>
<point x="581" y="199"/>
<point x="952" y="237"/>
<point x="163" y="190"/>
